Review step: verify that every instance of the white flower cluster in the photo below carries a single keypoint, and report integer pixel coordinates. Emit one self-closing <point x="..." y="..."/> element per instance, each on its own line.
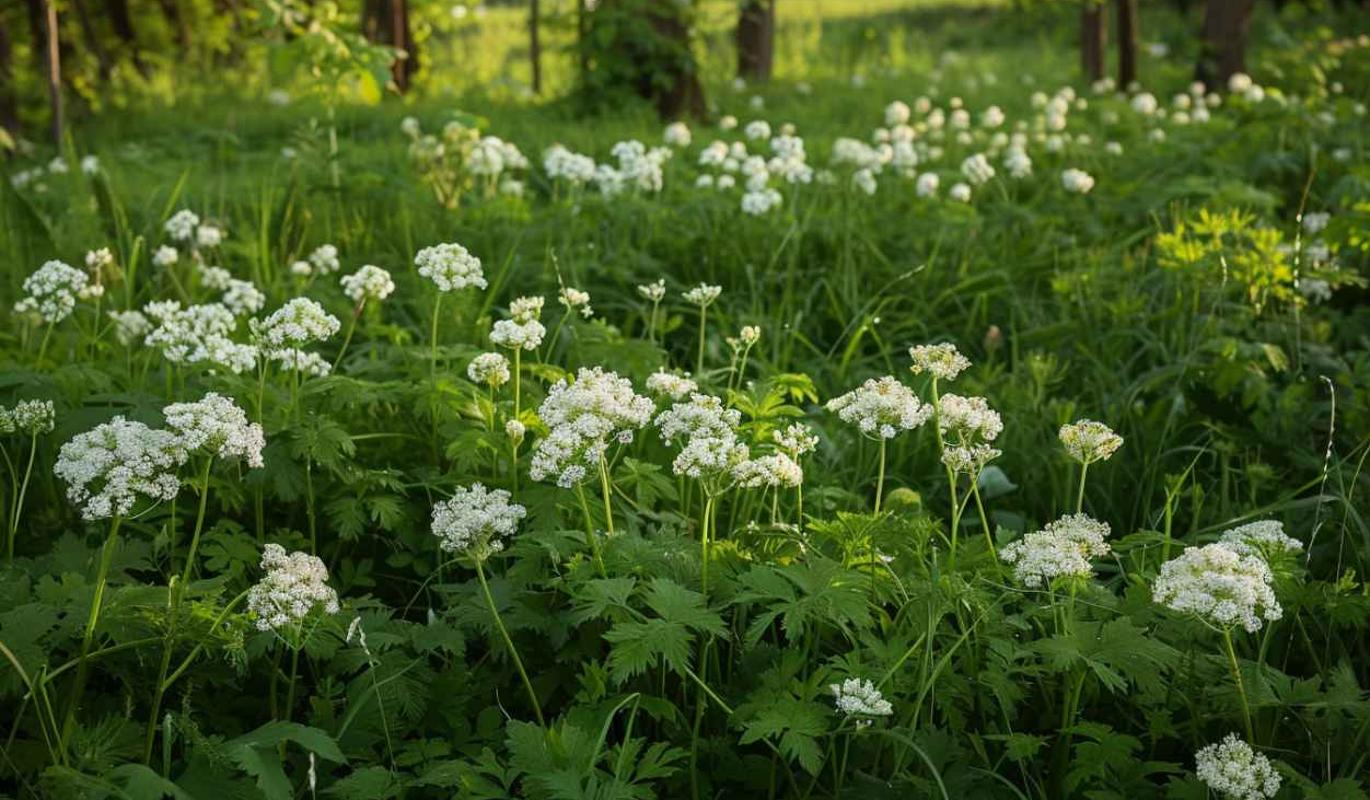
<point x="881" y="408"/>
<point x="562" y="164"/>
<point x="668" y="384"/>
<point x="1265" y="538"/>
<point x="857" y="698"/>
<point x="583" y="417"/>
<point x="129" y="326"/>
<point x="491" y="156"/>
<point x="514" y="334"/>
<point x="450" y="267"/>
<point x="243" y="297"/>
<point x="1063" y="549"/>
<point x="941" y="361"/>
<point x="677" y="134"/>
<point x="30" y="417"/>
<point x="302" y="361"/>
<point x="299" y="322"/>
<point x="796" y="440"/>
<point x="181" y="226"/>
<point x="52" y="291"/>
<point x="702" y="295"/>
<point x="198" y="334"/>
<point x="967" y="425"/>
<point x="769" y="472"/>
<point x="1233" y="770"/>
<point x="491" y="369"/>
<point x="367" y="283"/>
<point x="214" y="278"/>
<point x="323" y="260"/>
<point x="1088" y="441"/>
<point x="295" y="584"/>
<point x="574" y="299"/>
<point x="709" y="431"/>
<point x="977" y="169"/>
<point x="110" y="466"/>
<point x="475" y="521"/>
<point x="653" y="292"/>
<point x="1220" y="586"/>
<point x="1077" y="181"/>
<point x="217" y="425"/>
<point x="639" y="169"/>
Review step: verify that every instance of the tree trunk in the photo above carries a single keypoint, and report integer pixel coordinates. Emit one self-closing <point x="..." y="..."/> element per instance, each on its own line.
<point x="756" y="39"/>
<point x="1093" y="40"/>
<point x="1222" y="51"/>
<point x="54" y="72"/>
<point x="122" y="22"/>
<point x="9" y="103"/>
<point x="91" y="38"/>
<point x="387" y="22"/>
<point x="534" y="46"/>
<point x="1127" y="42"/>
<point x="683" y="94"/>
<point x="177" y="21"/>
<point x="38" y="37"/>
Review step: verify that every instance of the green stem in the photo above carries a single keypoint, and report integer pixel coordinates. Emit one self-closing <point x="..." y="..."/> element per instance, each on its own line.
<point x="199" y="523"/>
<point x="704" y="526"/>
<point x="699" y="361"/>
<point x="513" y="652"/>
<point x="433" y="340"/>
<point x="19" y="499"/>
<point x="106" y="558"/>
<point x="347" y="339"/>
<point x="880" y="481"/>
<point x="984" y="519"/>
<point x="1080" y="496"/>
<point x="590" y="537"/>
<point x="1241" y="686"/>
<point x="604" y="489"/>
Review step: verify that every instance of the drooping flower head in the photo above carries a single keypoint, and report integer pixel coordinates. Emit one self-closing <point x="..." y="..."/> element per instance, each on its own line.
<point x="294" y="587"/>
<point x="881" y="408"/>
<point x="476" y="520"/>
<point x="1063" y="549"/>
<point x="1220" y="586"/>
<point x="110" y="467"/>
<point x="1234" y="771"/>
<point x="1088" y="441"/>
<point x="218" y="426"/>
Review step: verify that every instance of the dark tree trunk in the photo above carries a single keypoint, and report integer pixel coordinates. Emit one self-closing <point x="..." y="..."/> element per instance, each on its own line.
<point x="683" y="94"/>
<point x="122" y="22"/>
<point x="1127" y="42"/>
<point x="38" y="37"/>
<point x="9" y="103"/>
<point x="54" y="70"/>
<point x="756" y="39"/>
<point x="387" y="22"/>
<point x="1222" y="51"/>
<point x="1093" y="40"/>
<point x="177" y="21"/>
<point x="91" y="37"/>
<point x="534" y="46"/>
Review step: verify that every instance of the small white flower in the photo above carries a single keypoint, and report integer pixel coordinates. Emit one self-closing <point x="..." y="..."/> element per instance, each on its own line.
<point x="1235" y="771"/>
<point x="181" y="227"/>
<point x="294" y="586"/>
<point x="368" y="283"/>
<point x="1220" y="586"/>
<point x="1088" y="441"/>
<point x="1077" y="181"/>
<point x="513" y="335"/>
<point x="52" y="291"/>
<point x="669" y="384"/>
<point x="1265" y="538"/>
<point x="491" y="369"/>
<point x="450" y="267"/>
<point x="857" y="698"/>
<point x="653" y="292"/>
<point x="299" y="322"/>
<point x="165" y="256"/>
<point x="941" y="361"/>
<point x="476" y="521"/>
<point x="1063" y="549"/>
<point x="702" y="295"/>
<point x="29" y="417"/>
<point x="881" y="408"/>
<point x="108" y="468"/>
<point x="216" y="424"/>
<point x="576" y="299"/>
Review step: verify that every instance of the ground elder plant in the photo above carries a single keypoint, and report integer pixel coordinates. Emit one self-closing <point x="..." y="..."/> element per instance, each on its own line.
<point x="904" y="431"/>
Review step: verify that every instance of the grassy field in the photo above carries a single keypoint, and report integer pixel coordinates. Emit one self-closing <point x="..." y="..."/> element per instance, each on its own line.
<point x="605" y="565"/>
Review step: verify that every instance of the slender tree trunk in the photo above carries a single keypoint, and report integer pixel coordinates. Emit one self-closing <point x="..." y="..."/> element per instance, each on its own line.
<point x="91" y="38"/>
<point x="755" y="37"/>
<point x="1222" y="52"/>
<point x="54" y="64"/>
<point x="1093" y="40"/>
<point x="1127" y="42"/>
<point x="38" y="37"/>
<point x="399" y="37"/>
<point x="9" y="103"/>
<point x="534" y="46"/>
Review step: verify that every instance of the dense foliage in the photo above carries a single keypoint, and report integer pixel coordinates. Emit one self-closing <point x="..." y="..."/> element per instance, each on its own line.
<point x="1012" y="450"/>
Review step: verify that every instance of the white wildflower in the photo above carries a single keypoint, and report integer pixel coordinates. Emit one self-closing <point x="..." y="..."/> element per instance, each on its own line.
<point x="1063" y="549"/>
<point x="476" y="520"/>
<point x="1088" y="441"/>
<point x="295" y="585"/>
<point x="491" y="369"/>
<point x="1220" y="586"/>
<point x="368" y="283"/>
<point x="450" y="266"/>
<point x="216" y="424"/>
<point x="1234" y="771"/>
<point x="881" y="408"/>
<point x="108" y="468"/>
<point x="941" y="361"/>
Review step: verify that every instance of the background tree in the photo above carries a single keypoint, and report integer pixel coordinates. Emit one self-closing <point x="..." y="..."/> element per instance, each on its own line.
<point x="1127" y="42"/>
<point x="1222" y="47"/>
<point x="755" y="38"/>
<point x="1093" y="39"/>
<point x="387" y="22"/>
<point x="534" y="46"/>
<point x="642" y="47"/>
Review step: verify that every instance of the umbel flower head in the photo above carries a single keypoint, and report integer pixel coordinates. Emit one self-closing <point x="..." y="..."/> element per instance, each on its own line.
<point x="1088" y="441"/>
<point x="1265" y="538"/>
<point x="881" y="408"/>
<point x="514" y="334"/>
<point x="1063" y="549"/>
<point x="29" y="417"/>
<point x="491" y="369"/>
<point x="299" y="322"/>
<point x="368" y="283"/>
<point x="218" y="426"/>
<point x="1234" y="771"/>
<point x="769" y="472"/>
<point x="450" y="267"/>
<point x="583" y="417"/>
<point x="294" y="586"/>
<point x="857" y="698"/>
<point x="108" y="468"/>
<point x="796" y="440"/>
<point x="52" y="291"/>
<point x="1220" y="586"/>
<point x="476" y="521"/>
<point x="709" y="430"/>
<point x="702" y="295"/>
<point x="941" y="361"/>
<point x="668" y="384"/>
